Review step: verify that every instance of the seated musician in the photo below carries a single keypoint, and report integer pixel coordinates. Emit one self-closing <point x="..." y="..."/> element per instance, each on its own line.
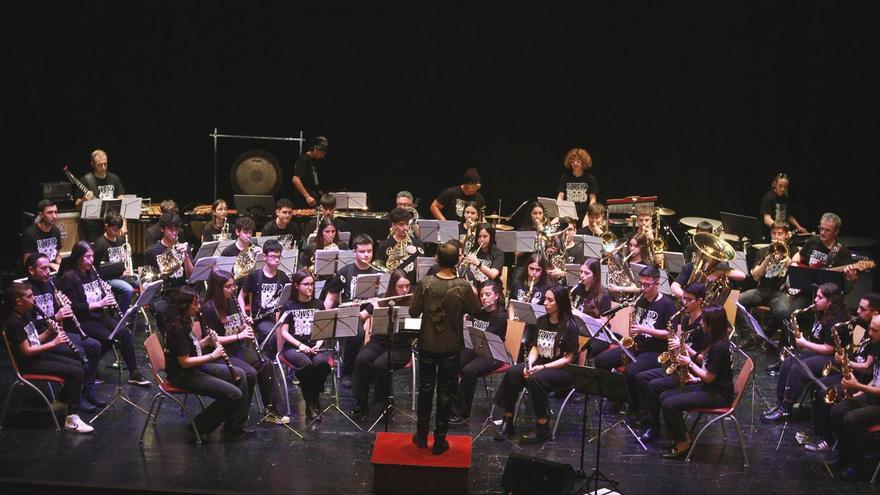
<point x="89" y="299"/>
<point x="282" y="224"/>
<point x="533" y="282"/>
<point x="153" y="233"/>
<point x="485" y="260"/>
<point x="327" y="209"/>
<point x="449" y="204"/>
<point x="110" y="248"/>
<point x="217" y="229"/>
<point x="712" y="385"/>
<point x="404" y="199"/>
<point x="310" y="362"/>
<point x="188" y="368"/>
<point x="770" y="276"/>
<point x="644" y="225"/>
<point x="592" y="299"/>
<point x="44" y="236"/>
<point x="594" y="223"/>
<point x="244" y="230"/>
<point x="165" y="249"/>
<point x="33" y="351"/>
<point x="327" y="239"/>
<point x="861" y="362"/>
<point x="577" y="184"/>
<point x="220" y="312"/>
<point x="341" y="290"/>
<point x="400" y="250"/>
<point x="550" y="349"/>
<point x="574" y="249"/>
<point x="649" y="321"/>
<point x="620" y="282"/>
<point x="262" y="289"/>
<point x="536" y="221"/>
<point x="823" y="251"/>
<point x="774" y="205"/>
<point x="687" y="276"/>
<point x="491" y="318"/>
<point x="652" y="383"/>
<point x="851" y="418"/>
<point x="469" y="219"/>
<point x="371" y="364"/>
<point x="815" y="348"/>
<point x="703" y="227"/>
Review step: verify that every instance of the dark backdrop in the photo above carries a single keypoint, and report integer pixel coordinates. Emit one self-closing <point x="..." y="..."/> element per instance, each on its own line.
<point x="699" y="105"/>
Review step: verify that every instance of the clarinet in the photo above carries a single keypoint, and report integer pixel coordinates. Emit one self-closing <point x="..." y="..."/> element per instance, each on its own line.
<point x="260" y="357"/>
<point x="216" y="340"/>
<point x="54" y="326"/>
<point x="63" y="300"/>
<point x="105" y="287"/>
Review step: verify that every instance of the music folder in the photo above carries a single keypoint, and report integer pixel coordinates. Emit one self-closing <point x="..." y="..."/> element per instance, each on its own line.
<point x="202" y="269"/>
<point x="558" y="208"/>
<point x="486" y="344"/>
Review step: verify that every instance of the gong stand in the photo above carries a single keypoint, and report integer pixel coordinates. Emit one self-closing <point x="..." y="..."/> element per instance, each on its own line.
<point x="216" y="136"/>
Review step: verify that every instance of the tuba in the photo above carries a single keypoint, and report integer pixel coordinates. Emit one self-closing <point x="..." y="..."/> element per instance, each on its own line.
<point x="711" y="250"/>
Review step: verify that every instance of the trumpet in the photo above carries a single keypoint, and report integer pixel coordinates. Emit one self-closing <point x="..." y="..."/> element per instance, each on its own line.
<point x="462" y="267"/>
<point x="128" y="262"/>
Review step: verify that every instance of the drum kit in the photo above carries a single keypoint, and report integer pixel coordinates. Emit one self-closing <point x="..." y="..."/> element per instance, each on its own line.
<point x="494" y="221"/>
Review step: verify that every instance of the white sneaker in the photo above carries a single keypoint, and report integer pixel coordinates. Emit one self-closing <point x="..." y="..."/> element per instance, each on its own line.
<point x="74" y="423"/>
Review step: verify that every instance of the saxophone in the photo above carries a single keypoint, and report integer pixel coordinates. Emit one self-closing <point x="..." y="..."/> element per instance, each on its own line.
<point x="528" y="296"/>
<point x="832" y="395"/>
<point x="795" y="329"/>
<point x="667" y="356"/>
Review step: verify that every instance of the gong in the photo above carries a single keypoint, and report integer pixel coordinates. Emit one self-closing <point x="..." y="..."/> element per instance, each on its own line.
<point x="256" y="172"/>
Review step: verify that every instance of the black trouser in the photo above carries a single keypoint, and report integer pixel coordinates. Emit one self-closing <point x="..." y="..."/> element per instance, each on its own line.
<point x="261" y="330"/>
<point x="91" y="348"/>
<point x="263" y="372"/>
<point x="436" y="370"/>
<point x="471" y="367"/>
<point x="69" y="368"/>
<point x="311" y="370"/>
<point x="372" y="364"/>
<point x="250" y="375"/>
<point x="821" y="410"/>
<point x="350" y="348"/>
<point x="678" y="400"/>
<point x="646" y="360"/>
<point x="540" y="385"/>
<point x="230" y="400"/>
<point x="652" y="384"/>
<point x="792" y="378"/>
<point x="778" y="301"/>
<point x="849" y="420"/>
<point x="101" y="330"/>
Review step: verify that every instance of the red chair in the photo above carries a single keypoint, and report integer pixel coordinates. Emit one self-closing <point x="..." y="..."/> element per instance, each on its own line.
<point x="726" y="413"/>
<point x="156" y="356"/>
<point x="875" y="429"/>
<point x="27" y="379"/>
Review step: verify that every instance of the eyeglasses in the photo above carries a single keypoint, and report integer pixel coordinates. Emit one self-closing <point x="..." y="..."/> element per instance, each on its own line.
<point x="648" y="284"/>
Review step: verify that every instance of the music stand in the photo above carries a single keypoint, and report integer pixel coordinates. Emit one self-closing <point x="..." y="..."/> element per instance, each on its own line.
<point x="593" y="247"/>
<point x="760" y="332"/>
<point x="673" y="261"/>
<point x="259" y="349"/>
<point x="423" y="265"/>
<point x="149" y="292"/>
<point x="742" y="226"/>
<point x="386" y="321"/>
<point x="202" y="269"/>
<point x="512" y="241"/>
<point x="207" y="249"/>
<point x="331" y="325"/>
<point x="528" y="312"/>
<point x="561" y="208"/>
<point x="800" y="277"/>
<point x="572" y="274"/>
<point x="605" y="384"/>
<point x="255" y="205"/>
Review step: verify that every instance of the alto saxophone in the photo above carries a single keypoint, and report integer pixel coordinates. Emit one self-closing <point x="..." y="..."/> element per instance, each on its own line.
<point x="667" y="355"/>
<point x="795" y="329"/>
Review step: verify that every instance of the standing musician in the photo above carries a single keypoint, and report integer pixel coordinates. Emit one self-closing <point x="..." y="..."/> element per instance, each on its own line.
<point x="573" y="249"/>
<point x="305" y="173"/>
<point x="823" y="251"/>
<point x="491" y="318"/>
<point x="221" y="314"/>
<point x="649" y="321"/>
<point x="576" y="184"/>
<point x="815" y="347"/>
<point x="112" y="248"/>
<point x="400" y="249"/>
<point x="450" y="203"/>
<point x="774" y="205"/>
<point x="263" y="288"/>
<point x="33" y="352"/>
<point x="441" y="301"/>
<point x="485" y="260"/>
<point x="591" y="298"/>
<point x="170" y="226"/>
<point x="102" y="185"/>
<point x="218" y="228"/>
<point x="154" y="232"/>
<point x="341" y="289"/>
<point x="312" y="365"/>
<point x="712" y="373"/>
<point x="190" y="369"/>
<point x="371" y="364"/>
<point x="853" y="416"/>
<point x="44" y="236"/>
<point x="553" y="346"/>
<point x="327" y="209"/>
<point x="244" y="230"/>
<point x="282" y="224"/>
<point x="652" y="383"/>
<point x="327" y="239"/>
<point x="89" y="299"/>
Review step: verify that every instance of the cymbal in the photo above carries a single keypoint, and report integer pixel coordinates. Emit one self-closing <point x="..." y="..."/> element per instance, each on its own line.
<point x="620" y="221"/>
<point x="666" y="212"/>
<point x="501" y="226"/>
<point x="693" y="221"/>
<point x="496" y="217"/>
<point x="725" y="236"/>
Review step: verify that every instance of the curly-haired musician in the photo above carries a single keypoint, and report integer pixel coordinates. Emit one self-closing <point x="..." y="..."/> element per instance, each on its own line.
<point x="577" y="184"/>
<point x="244" y="230"/>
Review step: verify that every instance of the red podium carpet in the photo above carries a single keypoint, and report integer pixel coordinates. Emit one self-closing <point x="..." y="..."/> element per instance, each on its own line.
<point x="401" y="467"/>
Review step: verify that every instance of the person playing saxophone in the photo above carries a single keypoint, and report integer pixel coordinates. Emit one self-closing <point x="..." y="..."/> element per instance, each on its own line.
<point x="400" y="249"/>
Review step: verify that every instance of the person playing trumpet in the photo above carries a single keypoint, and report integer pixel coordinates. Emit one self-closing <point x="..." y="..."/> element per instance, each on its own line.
<point x="485" y="261"/>
<point x="111" y="248"/>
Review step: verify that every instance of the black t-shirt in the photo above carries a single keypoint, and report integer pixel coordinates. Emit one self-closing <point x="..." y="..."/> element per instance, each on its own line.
<point x="82" y="289"/>
<point x="234" y="320"/>
<point x="34" y="240"/>
<point x="107" y="188"/>
<point x="578" y="293"/>
<point x="578" y="190"/>
<point x="494" y="322"/>
<point x="520" y="289"/>
<point x="718" y="362"/>
<point x="493" y="259"/>
<point x="107" y="251"/>
<point x="453" y="200"/>
<point x="774" y="277"/>
<point x="345" y="280"/>
<point x="44" y="299"/>
<point x="815" y="255"/>
<point x="553" y="342"/>
<point x="266" y="291"/>
<point x="341" y="226"/>
<point x="306" y="168"/>
<point x="176" y="279"/>
<point x="153" y="234"/>
<point x="409" y="268"/>
<point x="210" y="230"/>
<point x="653" y="314"/>
<point x="696" y="337"/>
<point x="575" y="254"/>
<point x="688" y="269"/>
<point x="775" y="206"/>
<point x="18" y="329"/>
<point x="821" y="333"/>
<point x="300" y="320"/>
<point x="271" y="228"/>
<point x="179" y="341"/>
<point x="230" y="250"/>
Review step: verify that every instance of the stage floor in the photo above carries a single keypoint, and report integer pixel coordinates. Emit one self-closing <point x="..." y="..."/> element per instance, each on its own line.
<point x="336" y="456"/>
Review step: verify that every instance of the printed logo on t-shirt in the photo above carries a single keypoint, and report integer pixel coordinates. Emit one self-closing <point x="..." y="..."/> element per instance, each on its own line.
<point x="268" y="295"/>
<point x="521" y="295"/>
<point x="459" y="207"/>
<point x="195" y="342"/>
<point x="477" y="274"/>
<point x="31" y="331"/>
<point x="579" y="192"/>
<point x="93" y="291"/>
<point x="49" y="247"/>
<point x="817" y="331"/>
<point x="352" y="286"/>
<point x="546" y="343"/>
<point x="116" y="254"/>
<point x="105" y="192"/>
<point x="781" y="214"/>
<point x="480" y="324"/>
<point x="46" y="303"/>
<point x="302" y="321"/>
<point x="647" y="317"/>
<point x="818" y="258"/>
<point x="233" y="323"/>
<point x="875" y="381"/>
